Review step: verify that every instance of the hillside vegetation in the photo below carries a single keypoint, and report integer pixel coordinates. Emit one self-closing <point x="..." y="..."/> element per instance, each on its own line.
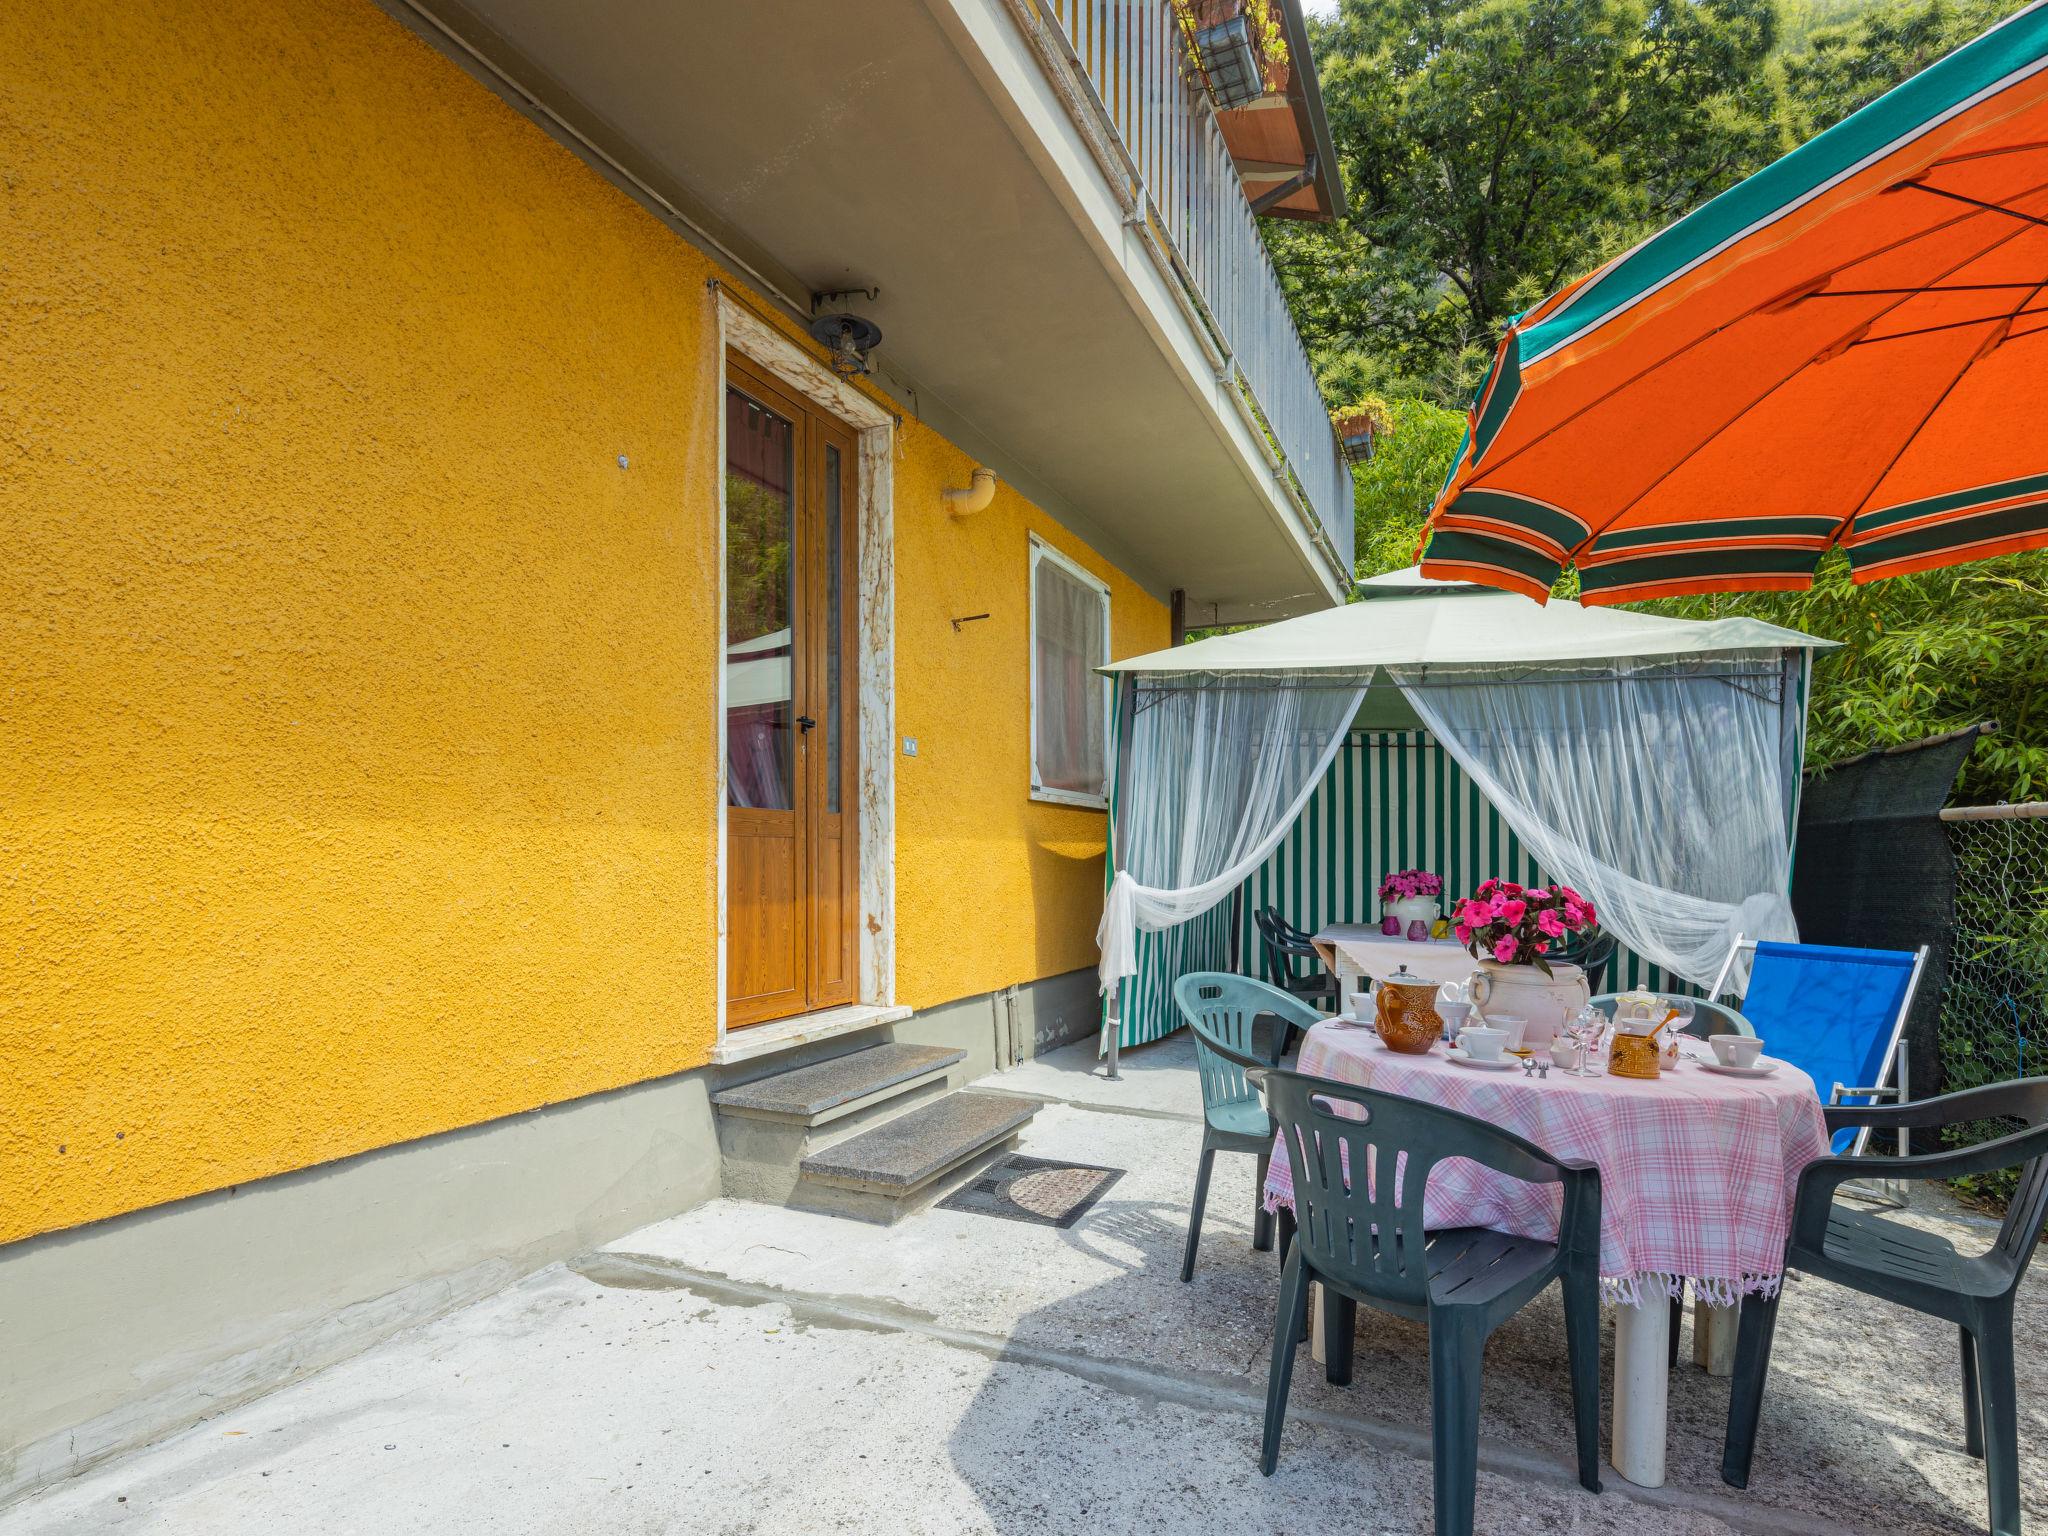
<point x="1493" y="150"/>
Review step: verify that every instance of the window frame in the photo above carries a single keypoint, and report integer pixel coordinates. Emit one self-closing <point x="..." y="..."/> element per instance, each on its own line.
<point x="1041" y="552"/>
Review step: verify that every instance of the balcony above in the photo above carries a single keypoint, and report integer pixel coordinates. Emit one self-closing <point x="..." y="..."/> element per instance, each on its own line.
<point x="1070" y="280"/>
<point x="1279" y="139"/>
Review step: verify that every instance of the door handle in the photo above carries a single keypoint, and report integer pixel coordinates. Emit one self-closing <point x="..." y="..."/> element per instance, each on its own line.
<point x="807" y="723"/>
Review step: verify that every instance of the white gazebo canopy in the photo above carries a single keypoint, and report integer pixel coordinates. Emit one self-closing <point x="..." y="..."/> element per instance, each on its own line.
<point x="1408" y="620"/>
<point x="1652" y="763"/>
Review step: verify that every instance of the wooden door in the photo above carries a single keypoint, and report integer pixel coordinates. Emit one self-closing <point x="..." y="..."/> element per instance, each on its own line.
<point x="792" y="826"/>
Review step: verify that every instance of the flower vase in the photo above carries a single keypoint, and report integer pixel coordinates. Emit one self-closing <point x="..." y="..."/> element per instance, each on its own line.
<point x="1524" y="992"/>
<point x="1412" y="909"/>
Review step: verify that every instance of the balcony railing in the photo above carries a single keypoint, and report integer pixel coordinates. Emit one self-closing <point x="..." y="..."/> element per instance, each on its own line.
<point x="1131" y="59"/>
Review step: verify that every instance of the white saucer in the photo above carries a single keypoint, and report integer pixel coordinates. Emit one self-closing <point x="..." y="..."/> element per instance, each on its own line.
<point x="1765" y="1066"/>
<point x="1458" y="1055"/>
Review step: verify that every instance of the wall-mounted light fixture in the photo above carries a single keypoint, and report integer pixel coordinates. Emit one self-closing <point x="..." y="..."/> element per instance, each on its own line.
<point x="849" y="338"/>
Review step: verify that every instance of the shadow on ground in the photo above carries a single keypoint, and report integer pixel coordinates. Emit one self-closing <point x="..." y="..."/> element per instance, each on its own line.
<point x="746" y="1370"/>
<point x="1863" y="1420"/>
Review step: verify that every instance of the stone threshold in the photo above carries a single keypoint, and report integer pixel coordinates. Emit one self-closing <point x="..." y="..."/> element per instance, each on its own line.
<point x="802" y="1029"/>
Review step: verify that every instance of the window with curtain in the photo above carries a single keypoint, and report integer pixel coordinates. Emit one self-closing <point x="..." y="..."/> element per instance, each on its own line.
<point x="1069" y="698"/>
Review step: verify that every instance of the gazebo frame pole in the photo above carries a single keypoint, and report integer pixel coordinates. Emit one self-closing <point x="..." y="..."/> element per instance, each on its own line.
<point x="1125" y="696"/>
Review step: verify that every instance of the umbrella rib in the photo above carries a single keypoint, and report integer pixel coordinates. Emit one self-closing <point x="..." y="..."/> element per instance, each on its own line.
<point x="1705" y="336"/>
<point x="1987" y="154"/>
<point x="1954" y="325"/>
<point x="1847" y="336"/>
<point x="1974" y="202"/>
<point x="1879" y="293"/>
<point x="1984" y="349"/>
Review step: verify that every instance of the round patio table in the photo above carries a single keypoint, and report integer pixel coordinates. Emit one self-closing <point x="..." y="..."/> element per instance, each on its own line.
<point x="1697" y="1173"/>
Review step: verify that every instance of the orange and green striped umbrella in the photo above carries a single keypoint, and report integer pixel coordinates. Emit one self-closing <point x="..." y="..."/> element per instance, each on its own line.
<point x="1850" y="347"/>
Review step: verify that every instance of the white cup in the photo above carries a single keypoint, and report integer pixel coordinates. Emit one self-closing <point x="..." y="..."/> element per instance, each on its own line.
<point x="1454" y="1016"/>
<point x="1510" y="1026"/>
<point x="1481" y="1043"/>
<point x="1358" y="1006"/>
<point x="1563" y="1053"/>
<point x="1736" y="1050"/>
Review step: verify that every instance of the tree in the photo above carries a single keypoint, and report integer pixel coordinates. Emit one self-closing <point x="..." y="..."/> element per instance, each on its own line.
<point x="1798" y="20"/>
<point x="1498" y="148"/>
<point x="1921" y="655"/>
<point x="1394" y="488"/>
<point x="1943" y="649"/>
<point x="1844" y="66"/>
<point x="1494" y="148"/>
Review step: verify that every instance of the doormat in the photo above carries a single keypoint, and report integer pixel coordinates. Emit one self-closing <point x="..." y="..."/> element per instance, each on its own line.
<point x="1033" y="1189"/>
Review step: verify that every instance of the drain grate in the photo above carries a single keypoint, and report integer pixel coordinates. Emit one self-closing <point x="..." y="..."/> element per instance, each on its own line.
<point x="1033" y="1189"/>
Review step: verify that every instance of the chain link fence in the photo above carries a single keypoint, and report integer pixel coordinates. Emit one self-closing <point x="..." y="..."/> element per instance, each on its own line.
<point x="1994" y="1010"/>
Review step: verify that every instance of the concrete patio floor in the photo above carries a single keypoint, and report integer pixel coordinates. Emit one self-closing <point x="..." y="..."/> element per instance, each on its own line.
<point x="745" y="1368"/>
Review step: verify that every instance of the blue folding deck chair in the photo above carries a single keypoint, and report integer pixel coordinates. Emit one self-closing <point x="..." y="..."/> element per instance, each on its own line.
<point x="1837" y="1014"/>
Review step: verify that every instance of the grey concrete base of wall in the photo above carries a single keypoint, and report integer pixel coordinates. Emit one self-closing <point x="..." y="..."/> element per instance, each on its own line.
<point x="127" y="1330"/>
<point x="1000" y="1029"/>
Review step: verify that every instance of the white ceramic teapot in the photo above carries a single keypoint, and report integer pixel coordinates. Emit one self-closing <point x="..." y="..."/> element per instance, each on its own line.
<point x="1636" y="1013"/>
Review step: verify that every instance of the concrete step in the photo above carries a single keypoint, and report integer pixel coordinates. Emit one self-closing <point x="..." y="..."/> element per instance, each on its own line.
<point x="830" y="1090"/>
<point x="770" y="1125"/>
<point x="914" y="1159"/>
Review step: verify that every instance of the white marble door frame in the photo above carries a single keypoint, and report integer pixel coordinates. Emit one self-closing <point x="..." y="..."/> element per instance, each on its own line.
<point x="770" y="348"/>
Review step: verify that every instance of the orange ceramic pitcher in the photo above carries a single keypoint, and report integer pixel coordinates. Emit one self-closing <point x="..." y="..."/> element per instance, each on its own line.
<point x="1404" y="1013"/>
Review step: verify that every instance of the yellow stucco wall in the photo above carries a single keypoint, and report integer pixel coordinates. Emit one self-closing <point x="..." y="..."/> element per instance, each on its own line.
<point x="992" y="887"/>
<point x="358" y="740"/>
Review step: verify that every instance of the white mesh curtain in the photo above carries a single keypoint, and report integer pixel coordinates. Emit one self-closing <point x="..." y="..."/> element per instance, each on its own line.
<point x="1656" y="791"/>
<point x="1069" y="710"/>
<point x="1219" y="768"/>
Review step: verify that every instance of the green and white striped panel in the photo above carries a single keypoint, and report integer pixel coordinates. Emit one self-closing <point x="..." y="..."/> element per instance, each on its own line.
<point x="1395" y="800"/>
<point x="1163" y="958"/>
<point x="1391" y="800"/>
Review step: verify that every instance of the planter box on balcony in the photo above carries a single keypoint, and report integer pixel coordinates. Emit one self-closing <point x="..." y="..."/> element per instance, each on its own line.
<point x="1356" y="431"/>
<point x="1230" y="63"/>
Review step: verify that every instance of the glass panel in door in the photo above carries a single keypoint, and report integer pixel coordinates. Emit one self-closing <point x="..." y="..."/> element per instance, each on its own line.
<point x="760" y="604"/>
<point x="835" y="847"/>
<point x="765" y="907"/>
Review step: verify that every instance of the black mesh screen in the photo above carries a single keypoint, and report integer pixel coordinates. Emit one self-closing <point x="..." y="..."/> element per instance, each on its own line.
<point x="1874" y="870"/>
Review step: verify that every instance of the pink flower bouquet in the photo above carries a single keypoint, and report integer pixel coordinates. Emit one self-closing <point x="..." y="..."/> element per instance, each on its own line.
<point x="1518" y="925"/>
<point x="1406" y="883"/>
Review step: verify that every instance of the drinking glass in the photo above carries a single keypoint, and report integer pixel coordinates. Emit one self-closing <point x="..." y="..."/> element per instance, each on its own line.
<point x="1675" y="1031"/>
<point x="1585" y="1029"/>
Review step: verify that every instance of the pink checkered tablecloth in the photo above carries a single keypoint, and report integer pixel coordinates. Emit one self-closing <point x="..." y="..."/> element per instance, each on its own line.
<point x="1697" y="1168"/>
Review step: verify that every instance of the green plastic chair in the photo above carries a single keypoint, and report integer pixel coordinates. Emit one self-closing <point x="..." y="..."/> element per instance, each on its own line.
<point x="1708" y="1019"/>
<point x="1361" y="1162"/>
<point x="1590" y="952"/>
<point x="1917" y="1269"/>
<point x="1221" y="1009"/>
<point x="1282" y="944"/>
